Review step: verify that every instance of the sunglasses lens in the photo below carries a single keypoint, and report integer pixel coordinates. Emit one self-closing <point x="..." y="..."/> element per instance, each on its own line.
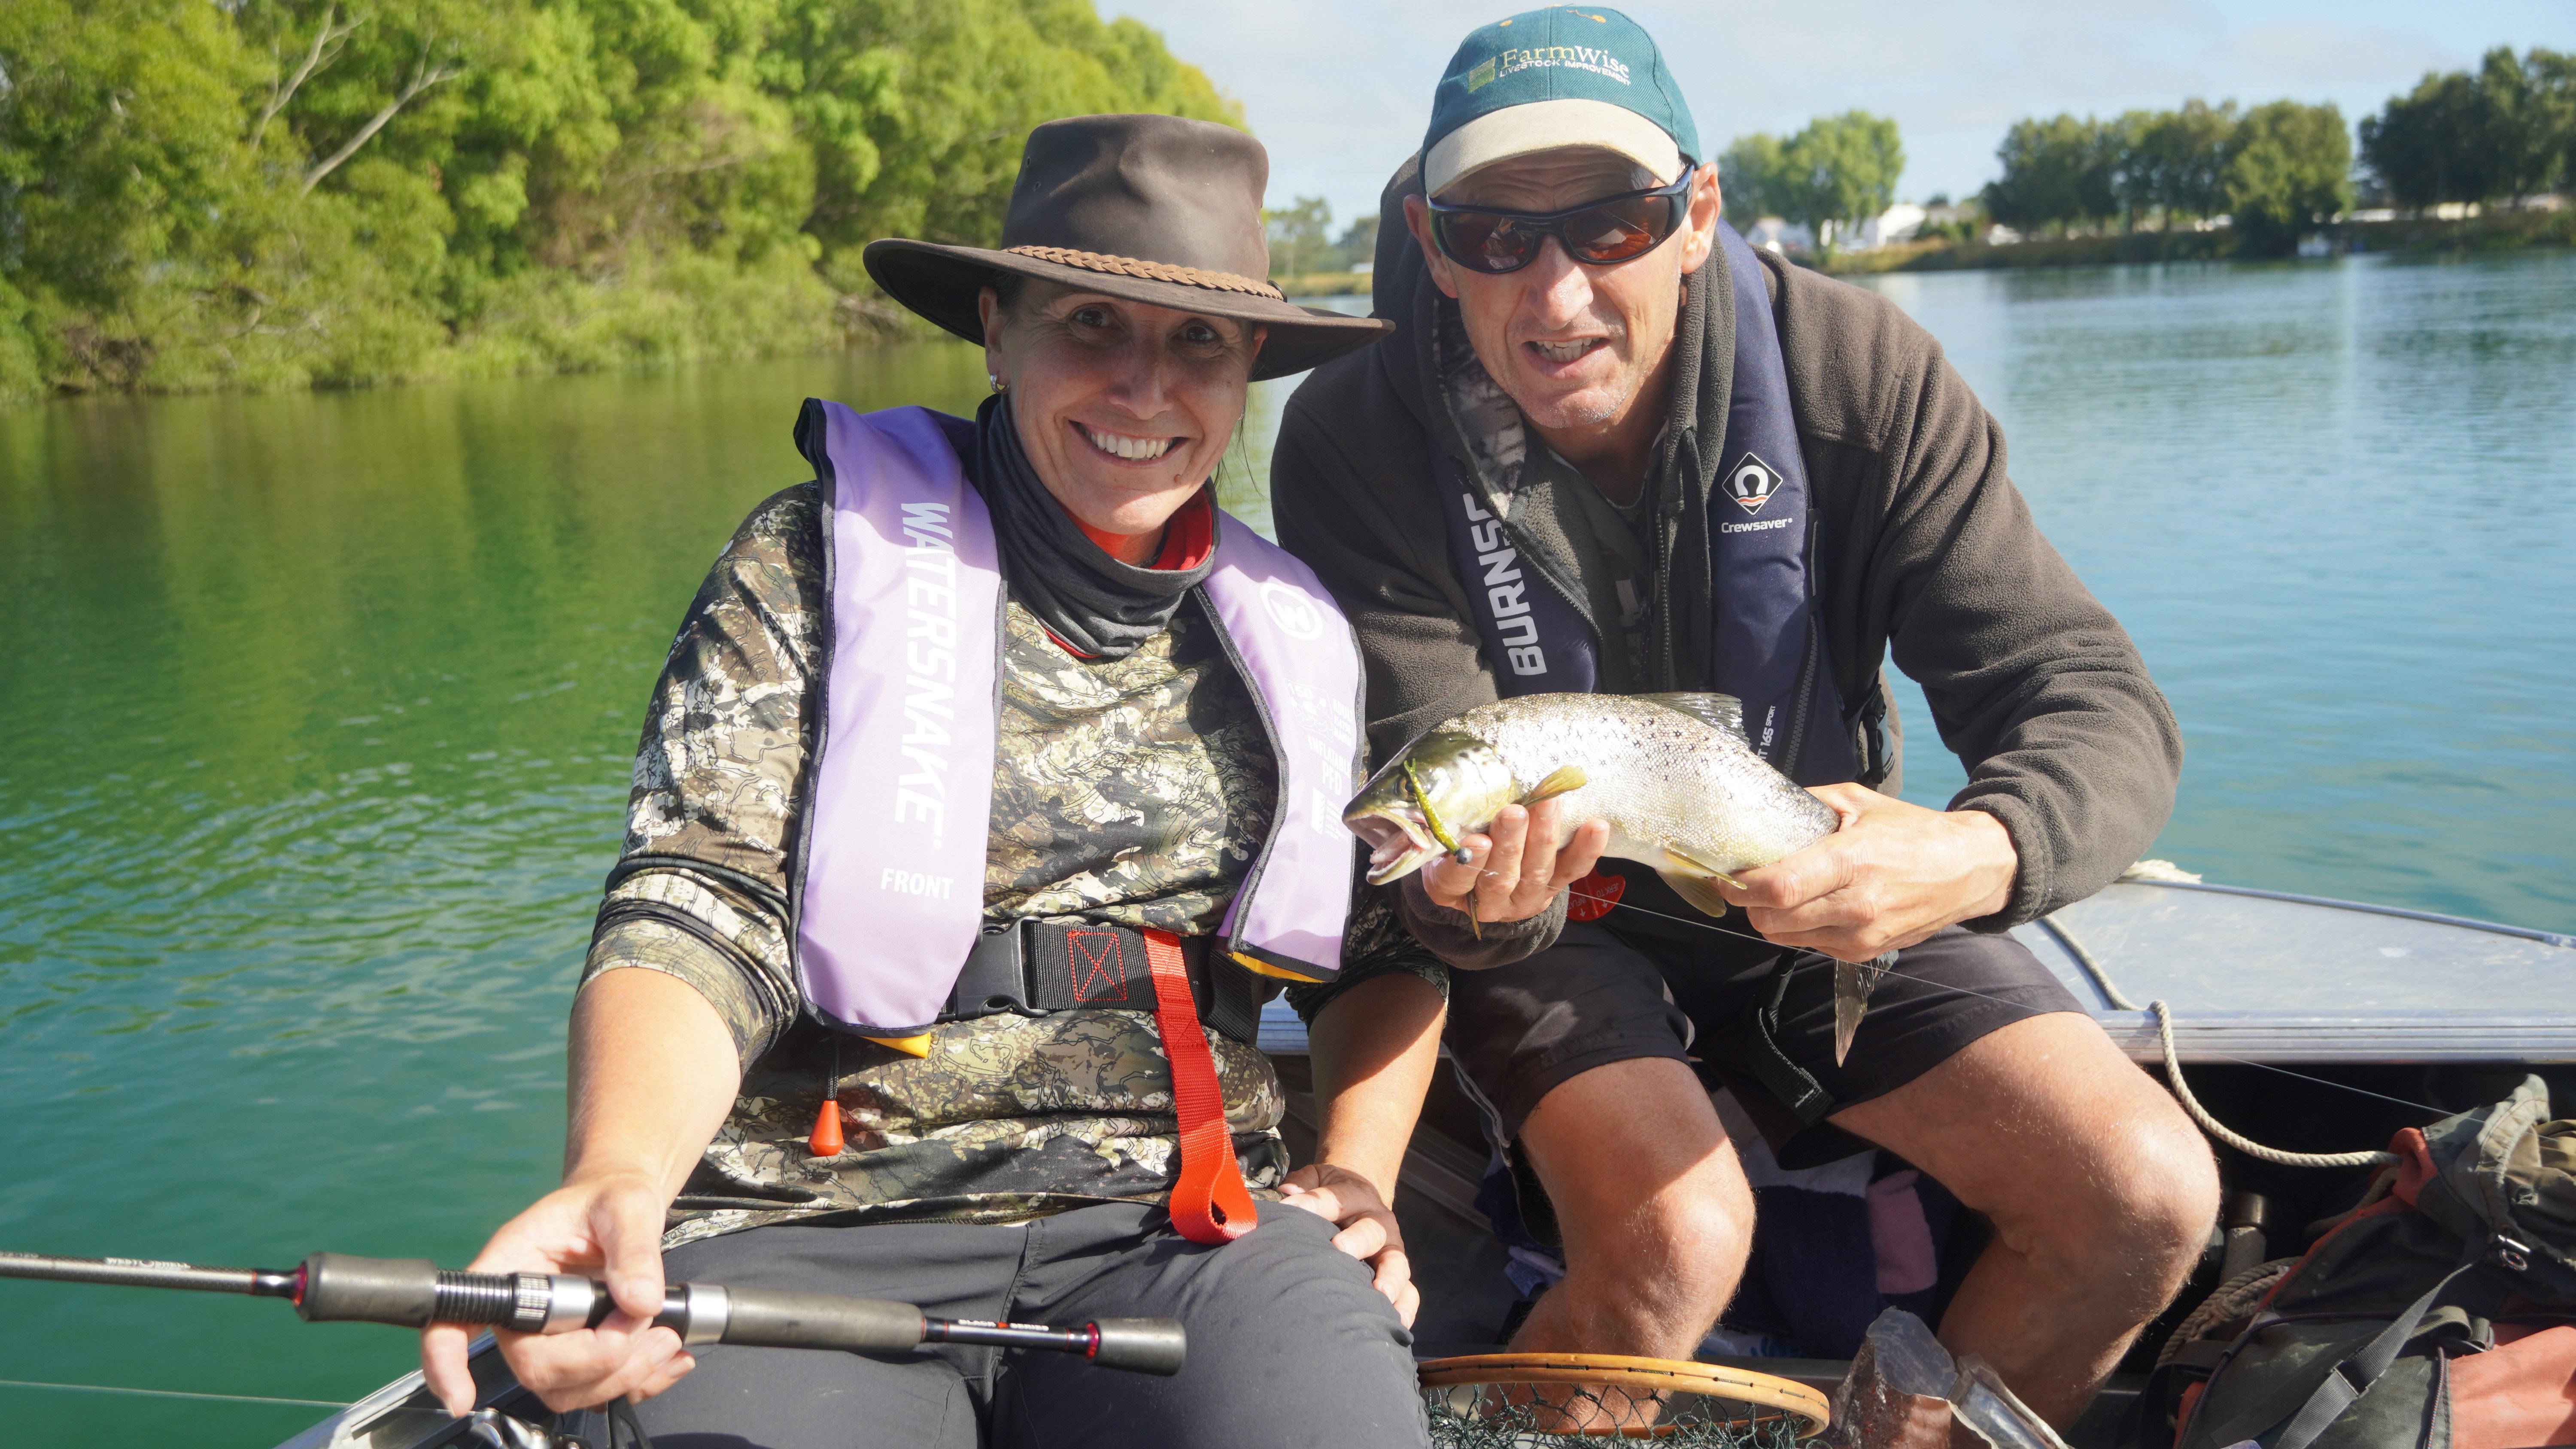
<point x="1486" y="242"/>
<point x="1618" y="230"/>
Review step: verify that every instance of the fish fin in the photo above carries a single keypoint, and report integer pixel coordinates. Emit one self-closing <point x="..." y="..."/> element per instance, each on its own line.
<point x="1853" y="982"/>
<point x="1684" y="860"/>
<point x="1561" y="780"/>
<point x="1692" y="886"/>
<point x="1723" y="711"/>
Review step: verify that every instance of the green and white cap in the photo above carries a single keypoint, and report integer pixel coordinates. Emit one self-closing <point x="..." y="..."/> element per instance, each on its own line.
<point x="1543" y="80"/>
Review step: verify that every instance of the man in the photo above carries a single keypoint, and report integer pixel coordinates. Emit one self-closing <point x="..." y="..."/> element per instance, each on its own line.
<point x="1607" y="448"/>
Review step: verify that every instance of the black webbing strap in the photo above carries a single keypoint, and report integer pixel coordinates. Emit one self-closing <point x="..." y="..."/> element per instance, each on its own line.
<point x="2311" y="1412"/>
<point x="2149" y="1422"/>
<point x="1756" y="1046"/>
<point x="1036" y="967"/>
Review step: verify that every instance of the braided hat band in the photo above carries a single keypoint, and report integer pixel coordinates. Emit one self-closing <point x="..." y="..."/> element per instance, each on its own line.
<point x="1150" y="271"/>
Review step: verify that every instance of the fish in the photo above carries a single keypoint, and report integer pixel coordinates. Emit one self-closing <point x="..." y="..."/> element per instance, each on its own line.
<point x="1673" y="775"/>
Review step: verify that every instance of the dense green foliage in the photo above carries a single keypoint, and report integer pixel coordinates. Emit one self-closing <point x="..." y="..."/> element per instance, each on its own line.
<point x="1302" y="243"/>
<point x="2506" y="130"/>
<point x="2274" y="169"/>
<point x="1837" y="171"/>
<point x="294" y="192"/>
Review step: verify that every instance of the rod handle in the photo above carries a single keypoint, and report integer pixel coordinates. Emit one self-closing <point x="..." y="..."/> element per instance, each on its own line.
<point x="1141" y="1345"/>
<point x="779" y="1318"/>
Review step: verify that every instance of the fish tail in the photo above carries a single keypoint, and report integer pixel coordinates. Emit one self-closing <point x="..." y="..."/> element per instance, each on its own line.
<point x="1853" y="981"/>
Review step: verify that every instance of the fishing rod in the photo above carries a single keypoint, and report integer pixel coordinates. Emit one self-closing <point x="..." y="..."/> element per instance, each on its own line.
<point x="415" y="1292"/>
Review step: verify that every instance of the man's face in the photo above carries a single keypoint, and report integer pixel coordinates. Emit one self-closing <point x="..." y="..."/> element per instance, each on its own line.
<point x="1575" y="345"/>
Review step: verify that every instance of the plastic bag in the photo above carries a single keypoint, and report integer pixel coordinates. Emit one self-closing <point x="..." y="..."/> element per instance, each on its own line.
<point x="1904" y="1391"/>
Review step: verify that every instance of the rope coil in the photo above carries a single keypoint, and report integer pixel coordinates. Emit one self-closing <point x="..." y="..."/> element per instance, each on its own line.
<point x="2244" y="1144"/>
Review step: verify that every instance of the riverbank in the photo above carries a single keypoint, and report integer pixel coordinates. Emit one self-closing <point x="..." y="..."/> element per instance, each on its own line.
<point x="2495" y="231"/>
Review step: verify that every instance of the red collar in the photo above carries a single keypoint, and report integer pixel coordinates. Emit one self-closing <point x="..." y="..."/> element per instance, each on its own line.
<point x="1187" y="538"/>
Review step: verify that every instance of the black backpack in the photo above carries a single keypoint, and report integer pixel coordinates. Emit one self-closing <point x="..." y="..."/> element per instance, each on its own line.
<point x="2441" y="1313"/>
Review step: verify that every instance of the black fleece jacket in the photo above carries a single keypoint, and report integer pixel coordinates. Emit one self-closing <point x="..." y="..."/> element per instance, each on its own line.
<point x="1923" y="547"/>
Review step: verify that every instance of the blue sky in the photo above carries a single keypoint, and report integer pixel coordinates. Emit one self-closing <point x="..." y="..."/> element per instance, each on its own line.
<point x="1340" y="89"/>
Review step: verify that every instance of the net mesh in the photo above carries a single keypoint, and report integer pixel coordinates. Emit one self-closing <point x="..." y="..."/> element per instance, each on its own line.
<point x="1508" y="1414"/>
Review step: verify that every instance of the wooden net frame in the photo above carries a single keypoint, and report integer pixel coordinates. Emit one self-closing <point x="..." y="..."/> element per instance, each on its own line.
<point x="1498" y="1400"/>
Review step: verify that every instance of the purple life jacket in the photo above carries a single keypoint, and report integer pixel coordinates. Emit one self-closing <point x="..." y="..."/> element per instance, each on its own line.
<point x="889" y="894"/>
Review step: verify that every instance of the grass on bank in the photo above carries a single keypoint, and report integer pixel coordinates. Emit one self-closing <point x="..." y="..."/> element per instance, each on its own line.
<point x="2494" y="231"/>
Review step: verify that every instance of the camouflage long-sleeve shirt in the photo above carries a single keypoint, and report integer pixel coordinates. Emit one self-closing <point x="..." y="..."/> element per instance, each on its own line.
<point x="1131" y="791"/>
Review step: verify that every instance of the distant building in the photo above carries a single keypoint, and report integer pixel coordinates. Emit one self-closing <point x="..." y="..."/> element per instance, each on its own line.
<point x="1898" y="223"/>
<point x="1783" y="237"/>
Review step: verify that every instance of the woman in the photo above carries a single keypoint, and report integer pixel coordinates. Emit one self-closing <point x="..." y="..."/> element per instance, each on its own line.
<point x="974" y="819"/>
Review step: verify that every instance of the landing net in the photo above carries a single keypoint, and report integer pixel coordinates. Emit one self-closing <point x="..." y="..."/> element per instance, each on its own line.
<point x="1512" y="1401"/>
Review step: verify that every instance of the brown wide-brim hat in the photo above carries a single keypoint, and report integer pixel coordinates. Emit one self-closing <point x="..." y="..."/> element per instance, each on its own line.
<point x="1152" y="209"/>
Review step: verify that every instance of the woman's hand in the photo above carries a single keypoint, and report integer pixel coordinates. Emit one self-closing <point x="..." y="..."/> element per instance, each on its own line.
<point x="607" y="1227"/>
<point x="1514" y="866"/>
<point x="1368" y="1228"/>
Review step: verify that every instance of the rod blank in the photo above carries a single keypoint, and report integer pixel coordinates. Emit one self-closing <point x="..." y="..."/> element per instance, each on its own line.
<point x="415" y="1292"/>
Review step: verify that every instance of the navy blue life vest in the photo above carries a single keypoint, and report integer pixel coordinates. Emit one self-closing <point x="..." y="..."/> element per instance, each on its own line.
<point x="1767" y="641"/>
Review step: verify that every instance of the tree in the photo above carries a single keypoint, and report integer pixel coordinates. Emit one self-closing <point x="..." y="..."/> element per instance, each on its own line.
<point x="2292" y="169"/>
<point x="1299" y="236"/>
<point x="1838" y="170"/>
<point x="1358" y="242"/>
<point x="2178" y="161"/>
<point x="1749" y="176"/>
<point x="285" y="192"/>
<point x="2060" y="172"/>
<point x="2507" y="130"/>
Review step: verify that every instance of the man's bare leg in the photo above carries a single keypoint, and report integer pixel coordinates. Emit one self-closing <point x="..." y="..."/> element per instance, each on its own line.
<point x="1653" y="1206"/>
<point x="2100" y="1190"/>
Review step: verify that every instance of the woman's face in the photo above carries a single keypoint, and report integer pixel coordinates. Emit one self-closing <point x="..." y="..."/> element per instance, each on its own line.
<point x="1124" y="408"/>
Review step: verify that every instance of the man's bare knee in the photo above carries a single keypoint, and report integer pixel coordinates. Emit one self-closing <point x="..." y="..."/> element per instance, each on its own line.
<point x="2128" y="1231"/>
<point x="1649" y="1196"/>
<point x="1683" y="1249"/>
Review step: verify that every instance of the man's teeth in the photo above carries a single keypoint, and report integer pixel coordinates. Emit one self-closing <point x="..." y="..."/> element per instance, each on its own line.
<point x="1564" y="351"/>
<point x="1119" y="446"/>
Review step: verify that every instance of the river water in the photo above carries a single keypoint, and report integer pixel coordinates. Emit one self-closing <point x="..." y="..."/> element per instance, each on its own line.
<point x="319" y="712"/>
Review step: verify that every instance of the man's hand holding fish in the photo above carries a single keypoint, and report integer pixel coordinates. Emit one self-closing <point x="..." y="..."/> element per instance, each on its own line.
<point x="1890" y="877"/>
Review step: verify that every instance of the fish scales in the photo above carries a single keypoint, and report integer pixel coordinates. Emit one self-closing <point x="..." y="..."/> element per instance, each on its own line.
<point x="1682" y="792"/>
<point x="1656" y="776"/>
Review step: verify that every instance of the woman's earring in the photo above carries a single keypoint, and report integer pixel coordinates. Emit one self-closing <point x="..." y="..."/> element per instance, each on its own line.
<point x="998" y="384"/>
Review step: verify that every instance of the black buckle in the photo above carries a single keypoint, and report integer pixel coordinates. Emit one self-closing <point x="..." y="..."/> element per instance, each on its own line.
<point x="1035" y="968"/>
<point x="995" y="978"/>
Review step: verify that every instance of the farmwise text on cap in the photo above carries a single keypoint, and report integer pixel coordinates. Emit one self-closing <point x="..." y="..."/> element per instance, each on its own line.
<point x="1568" y="75"/>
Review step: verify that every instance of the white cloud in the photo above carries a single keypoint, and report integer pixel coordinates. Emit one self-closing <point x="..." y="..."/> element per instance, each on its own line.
<point x="1340" y="89"/>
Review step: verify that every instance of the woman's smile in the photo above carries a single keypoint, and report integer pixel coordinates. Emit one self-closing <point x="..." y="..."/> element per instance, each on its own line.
<point x="1125" y="447"/>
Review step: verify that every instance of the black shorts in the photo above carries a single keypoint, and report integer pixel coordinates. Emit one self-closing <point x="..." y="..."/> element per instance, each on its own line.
<point x="1636" y="985"/>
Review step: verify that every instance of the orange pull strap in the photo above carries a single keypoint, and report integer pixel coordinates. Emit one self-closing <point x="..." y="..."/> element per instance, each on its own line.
<point x="827" y="1140"/>
<point x="1209" y="1203"/>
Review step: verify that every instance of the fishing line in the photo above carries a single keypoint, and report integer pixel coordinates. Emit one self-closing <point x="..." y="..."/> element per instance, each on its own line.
<point x="1968" y="991"/>
<point x="170" y="1394"/>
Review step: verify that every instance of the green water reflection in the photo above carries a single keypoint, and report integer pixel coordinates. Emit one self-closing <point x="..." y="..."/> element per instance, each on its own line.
<point x="319" y="713"/>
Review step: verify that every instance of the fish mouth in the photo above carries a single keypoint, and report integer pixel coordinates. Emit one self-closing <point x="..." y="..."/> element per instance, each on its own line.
<point x="1397" y="847"/>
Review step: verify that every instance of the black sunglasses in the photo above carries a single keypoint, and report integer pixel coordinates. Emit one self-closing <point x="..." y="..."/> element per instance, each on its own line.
<point x="1600" y="233"/>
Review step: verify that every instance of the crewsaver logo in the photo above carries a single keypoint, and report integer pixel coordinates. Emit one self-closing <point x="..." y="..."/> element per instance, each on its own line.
<point x="1290" y="609"/>
<point x="1752" y="483"/>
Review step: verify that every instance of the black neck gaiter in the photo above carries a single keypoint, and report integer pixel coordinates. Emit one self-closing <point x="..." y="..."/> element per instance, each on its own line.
<point x="1098" y="606"/>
